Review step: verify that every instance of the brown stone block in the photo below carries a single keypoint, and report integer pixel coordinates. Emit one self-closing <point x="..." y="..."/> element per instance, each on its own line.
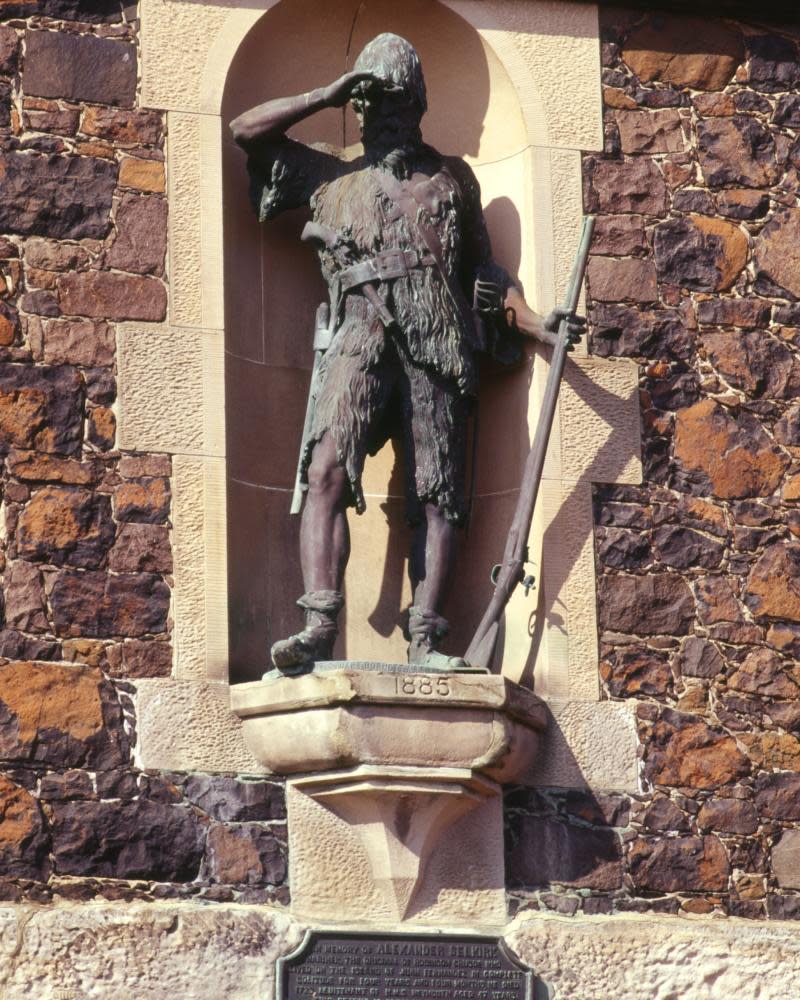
<point x="129" y="128"/>
<point x="80" y="67"/>
<point x="688" y="52"/>
<point x="78" y="342"/>
<point x="774" y="63"/>
<point x="700" y="252"/>
<point x="728" y="816"/>
<point x="140" y="658"/>
<point x="63" y="121"/>
<point x="96" y="604"/>
<point x="763" y="672"/>
<point x="23" y="840"/>
<point x="65" y="197"/>
<point x="544" y="852"/>
<point x="752" y="361"/>
<point x="645" y="605"/>
<point x="144" y="500"/>
<point x="725" y="311"/>
<point x="36" y="278"/>
<point x="687" y="753"/>
<point x="133" y="466"/>
<point x="101" y="427"/>
<point x="734" y="457"/>
<point x="99" y="148"/>
<point x="625" y="186"/>
<point x="63" y="716"/>
<point x="714" y="105"/>
<point x="52" y="255"/>
<point x="16" y="646"/>
<point x="89" y="651"/>
<point x="9" y="50"/>
<point x="778" y="797"/>
<point x="245" y="855"/>
<point x="73" y="784"/>
<point x="65" y="526"/>
<point x="619" y="235"/>
<point x="699" y="658"/>
<point x="30" y="466"/>
<point x="773" y="586"/>
<point x="41" y="408"/>
<point x="629" y="279"/>
<point x="141" y="548"/>
<point x="785" y="637"/>
<point x="777" y="252"/>
<point x="743" y="204"/>
<point x="139" y="839"/>
<point x="613" y="97"/>
<point x="650" y="131"/>
<point x="737" y="150"/>
<point x="638" y="672"/>
<point x="9" y="324"/>
<point x="107" y="295"/>
<point x="679" y="864"/>
<point x="144" y="175"/>
<point x="234" y="801"/>
<point x="140" y="241"/>
<point x="787" y="429"/>
<point x="773" y="751"/>
<point x="24" y="597"/>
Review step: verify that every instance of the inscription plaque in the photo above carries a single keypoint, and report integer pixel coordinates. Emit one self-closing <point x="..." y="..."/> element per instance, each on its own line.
<point x="330" y="966"/>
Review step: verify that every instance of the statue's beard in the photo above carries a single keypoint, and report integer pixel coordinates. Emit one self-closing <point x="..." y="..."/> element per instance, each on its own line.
<point x="392" y="143"/>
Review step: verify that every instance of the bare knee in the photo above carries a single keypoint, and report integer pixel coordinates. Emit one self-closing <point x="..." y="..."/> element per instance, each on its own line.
<point x="327" y="479"/>
<point x="436" y="519"/>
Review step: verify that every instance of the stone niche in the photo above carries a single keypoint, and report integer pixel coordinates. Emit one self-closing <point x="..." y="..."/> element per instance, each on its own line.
<point x="221" y="386"/>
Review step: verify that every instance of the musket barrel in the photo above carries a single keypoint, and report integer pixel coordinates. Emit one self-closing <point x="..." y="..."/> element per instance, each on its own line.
<point x="483" y="642"/>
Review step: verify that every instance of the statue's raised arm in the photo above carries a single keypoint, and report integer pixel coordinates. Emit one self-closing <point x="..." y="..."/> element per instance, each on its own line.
<point x="271" y="120"/>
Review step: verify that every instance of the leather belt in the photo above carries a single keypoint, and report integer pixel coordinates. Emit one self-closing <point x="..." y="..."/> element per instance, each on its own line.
<point x="384" y="266"/>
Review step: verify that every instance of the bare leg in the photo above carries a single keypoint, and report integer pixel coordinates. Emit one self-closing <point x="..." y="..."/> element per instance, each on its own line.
<point x="432" y="556"/>
<point x="324" y="532"/>
<point x="324" y="551"/>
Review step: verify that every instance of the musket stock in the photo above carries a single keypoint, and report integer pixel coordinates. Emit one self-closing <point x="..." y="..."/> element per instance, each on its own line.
<point x="481" y="648"/>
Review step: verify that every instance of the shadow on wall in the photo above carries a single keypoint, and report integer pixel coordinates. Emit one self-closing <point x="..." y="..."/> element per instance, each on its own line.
<point x="568" y="836"/>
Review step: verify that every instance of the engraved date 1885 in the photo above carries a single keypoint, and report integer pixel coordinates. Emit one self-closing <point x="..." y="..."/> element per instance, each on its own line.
<point x="423" y="685"/>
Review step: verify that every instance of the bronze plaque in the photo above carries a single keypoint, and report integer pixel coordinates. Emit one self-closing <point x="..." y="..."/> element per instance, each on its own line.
<point x="331" y="966"/>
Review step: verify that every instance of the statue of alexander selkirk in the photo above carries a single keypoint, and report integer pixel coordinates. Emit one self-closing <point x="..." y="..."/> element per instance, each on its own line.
<point x="414" y="295"/>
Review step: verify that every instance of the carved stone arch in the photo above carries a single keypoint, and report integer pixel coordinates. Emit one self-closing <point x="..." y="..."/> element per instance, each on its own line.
<point x="172" y="396"/>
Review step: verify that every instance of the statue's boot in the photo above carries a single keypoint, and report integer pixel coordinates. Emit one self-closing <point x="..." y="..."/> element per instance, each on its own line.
<point x="427" y="629"/>
<point x="315" y="642"/>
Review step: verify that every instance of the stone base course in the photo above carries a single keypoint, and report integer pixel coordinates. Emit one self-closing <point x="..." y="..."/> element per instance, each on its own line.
<point x="163" y="950"/>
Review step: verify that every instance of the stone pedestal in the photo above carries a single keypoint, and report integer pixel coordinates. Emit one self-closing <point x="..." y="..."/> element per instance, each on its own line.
<point x="394" y="804"/>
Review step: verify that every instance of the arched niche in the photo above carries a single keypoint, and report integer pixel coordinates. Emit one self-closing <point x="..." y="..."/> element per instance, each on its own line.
<point x="272" y="288"/>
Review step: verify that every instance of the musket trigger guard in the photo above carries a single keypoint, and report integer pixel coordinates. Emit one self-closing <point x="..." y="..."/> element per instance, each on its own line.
<point x="494" y="573"/>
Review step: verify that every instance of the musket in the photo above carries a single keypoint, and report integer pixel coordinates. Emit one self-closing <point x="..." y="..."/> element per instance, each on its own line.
<point x="322" y="339"/>
<point x="510" y="572"/>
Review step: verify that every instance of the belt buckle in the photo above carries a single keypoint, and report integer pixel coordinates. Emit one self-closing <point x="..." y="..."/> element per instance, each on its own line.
<point x="391" y="264"/>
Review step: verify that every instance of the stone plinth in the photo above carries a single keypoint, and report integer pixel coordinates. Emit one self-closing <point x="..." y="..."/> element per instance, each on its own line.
<point x="338" y="719"/>
<point x="395" y="812"/>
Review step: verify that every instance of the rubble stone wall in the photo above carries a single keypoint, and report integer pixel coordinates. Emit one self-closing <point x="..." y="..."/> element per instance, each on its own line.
<point x="695" y="274"/>
<point x="86" y="552"/>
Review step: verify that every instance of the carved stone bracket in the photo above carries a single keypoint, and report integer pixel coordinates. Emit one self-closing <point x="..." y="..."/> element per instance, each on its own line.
<point x="395" y="813"/>
<point x="398" y="819"/>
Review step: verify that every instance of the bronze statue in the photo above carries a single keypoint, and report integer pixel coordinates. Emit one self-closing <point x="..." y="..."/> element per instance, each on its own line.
<point x="414" y="296"/>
